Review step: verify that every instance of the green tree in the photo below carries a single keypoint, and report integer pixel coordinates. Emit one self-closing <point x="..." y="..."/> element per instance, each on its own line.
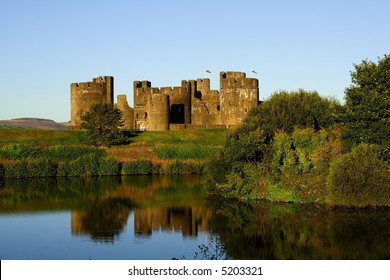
<point x="283" y="111"/>
<point x="251" y="143"/>
<point x="367" y="116"/>
<point x="104" y="123"/>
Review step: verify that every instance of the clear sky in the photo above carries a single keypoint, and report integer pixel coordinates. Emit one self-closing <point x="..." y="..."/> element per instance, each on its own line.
<point x="46" y="45"/>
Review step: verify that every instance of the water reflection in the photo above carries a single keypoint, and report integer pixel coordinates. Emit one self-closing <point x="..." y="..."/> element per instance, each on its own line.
<point x="112" y="210"/>
<point x="293" y="231"/>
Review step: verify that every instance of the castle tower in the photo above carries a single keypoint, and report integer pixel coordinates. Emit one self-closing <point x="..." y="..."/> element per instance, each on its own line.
<point x="206" y="105"/>
<point x="127" y="111"/>
<point x="151" y="107"/>
<point x="159" y="112"/>
<point x="238" y="95"/>
<point x="179" y="103"/>
<point x="83" y="95"/>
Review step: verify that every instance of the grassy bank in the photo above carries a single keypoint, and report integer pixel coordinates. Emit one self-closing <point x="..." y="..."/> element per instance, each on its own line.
<point x="33" y="137"/>
<point x="36" y="153"/>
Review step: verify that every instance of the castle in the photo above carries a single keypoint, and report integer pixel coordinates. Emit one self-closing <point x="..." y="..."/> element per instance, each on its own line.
<point x="191" y="105"/>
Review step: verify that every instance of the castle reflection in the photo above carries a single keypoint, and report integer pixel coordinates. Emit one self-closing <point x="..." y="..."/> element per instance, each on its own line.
<point x="157" y="204"/>
<point x="187" y="220"/>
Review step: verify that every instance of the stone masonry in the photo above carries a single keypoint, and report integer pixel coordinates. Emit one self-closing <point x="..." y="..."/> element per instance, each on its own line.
<point x="191" y="105"/>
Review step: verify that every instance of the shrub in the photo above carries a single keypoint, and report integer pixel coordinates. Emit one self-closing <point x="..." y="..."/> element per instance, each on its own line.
<point x="216" y="170"/>
<point x="108" y="166"/>
<point x="156" y="168"/>
<point x="134" y="167"/>
<point x="359" y="178"/>
<point x="175" y="167"/>
<point x="14" y="152"/>
<point x="91" y="164"/>
<point x="41" y="167"/>
<point x="16" y="169"/>
<point x="192" y="167"/>
<point x="71" y="168"/>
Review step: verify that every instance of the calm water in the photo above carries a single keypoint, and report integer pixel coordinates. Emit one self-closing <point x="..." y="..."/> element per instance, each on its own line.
<point x="165" y="217"/>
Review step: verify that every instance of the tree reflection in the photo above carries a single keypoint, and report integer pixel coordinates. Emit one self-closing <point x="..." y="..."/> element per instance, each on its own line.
<point x="294" y="231"/>
<point x="105" y="219"/>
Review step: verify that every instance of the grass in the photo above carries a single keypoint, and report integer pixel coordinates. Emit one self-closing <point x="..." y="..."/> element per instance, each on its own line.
<point x="32" y="137"/>
<point x="153" y="146"/>
<point x="204" y="137"/>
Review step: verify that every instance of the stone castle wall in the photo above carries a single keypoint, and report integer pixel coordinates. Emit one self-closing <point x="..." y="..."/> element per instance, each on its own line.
<point x="191" y="105"/>
<point x="83" y="95"/>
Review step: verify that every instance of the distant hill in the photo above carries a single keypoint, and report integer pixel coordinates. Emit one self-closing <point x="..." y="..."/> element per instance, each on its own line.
<point x="33" y="123"/>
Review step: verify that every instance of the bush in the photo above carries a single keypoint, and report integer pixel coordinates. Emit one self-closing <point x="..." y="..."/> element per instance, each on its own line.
<point x="136" y="167"/>
<point x="41" y="167"/>
<point x="192" y="167"/>
<point x="15" y="152"/>
<point x="108" y="166"/>
<point x="30" y="168"/>
<point x="16" y="169"/>
<point x="91" y="164"/>
<point x="359" y="178"/>
<point x="216" y="170"/>
<point x="175" y="167"/>
<point x="71" y="168"/>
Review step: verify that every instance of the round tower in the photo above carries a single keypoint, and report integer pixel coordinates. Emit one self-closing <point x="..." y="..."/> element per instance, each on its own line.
<point x="84" y="95"/>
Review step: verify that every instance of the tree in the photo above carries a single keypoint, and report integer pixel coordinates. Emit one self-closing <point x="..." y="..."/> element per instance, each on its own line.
<point x="367" y="105"/>
<point x="103" y="123"/>
<point x="283" y="111"/>
<point x="251" y="142"/>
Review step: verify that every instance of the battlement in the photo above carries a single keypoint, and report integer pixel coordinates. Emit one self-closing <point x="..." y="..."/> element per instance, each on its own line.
<point x="203" y="85"/>
<point x="98" y="80"/>
<point x="142" y="84"/>
<point x="191" y="104"/>
<point x="174" y="90"/>
<point x="231" y="75"/>
<point x="122" y="98"/>
<point x="86" y="86"/>
<point x="246" y="83"/>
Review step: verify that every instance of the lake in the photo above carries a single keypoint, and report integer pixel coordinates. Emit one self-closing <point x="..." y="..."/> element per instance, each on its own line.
<point x="171" y="217"/>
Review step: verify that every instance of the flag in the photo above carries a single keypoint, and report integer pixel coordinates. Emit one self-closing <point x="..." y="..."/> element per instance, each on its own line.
<point x="253" y="71"/>
<point x="208" y="71"/>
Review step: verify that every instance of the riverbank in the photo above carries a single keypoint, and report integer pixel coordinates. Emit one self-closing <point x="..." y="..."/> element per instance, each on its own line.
<point x="36" y="153"/>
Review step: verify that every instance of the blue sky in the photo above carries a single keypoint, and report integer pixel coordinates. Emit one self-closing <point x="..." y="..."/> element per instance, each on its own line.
<point x="46" y="45"/>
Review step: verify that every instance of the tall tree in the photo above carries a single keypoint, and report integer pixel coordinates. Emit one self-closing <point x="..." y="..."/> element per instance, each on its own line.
<point x="103" y="123"/>
<point x="368" y="104"/>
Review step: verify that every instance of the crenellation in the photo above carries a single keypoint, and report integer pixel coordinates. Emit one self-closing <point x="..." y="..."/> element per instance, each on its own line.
<point x="193" y="104"/>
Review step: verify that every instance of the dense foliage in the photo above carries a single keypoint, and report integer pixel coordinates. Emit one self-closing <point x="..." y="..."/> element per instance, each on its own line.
<point x="104" y="123"/>
<point x="367" y="105"/>
<point x="300" y="147"/>
<point x="359" y="178"/>
<point x="252" y="141"/>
